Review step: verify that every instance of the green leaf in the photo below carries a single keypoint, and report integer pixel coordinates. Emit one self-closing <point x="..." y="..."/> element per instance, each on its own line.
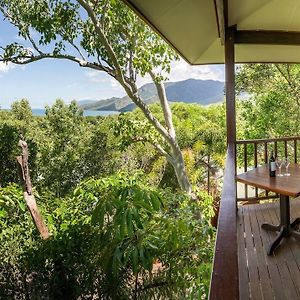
<point x="3" y="213"/>
<point x="96" y="214"/>
<point x="134" y="260"/>
<point x="22" y="206"/>
<point x="123" y="225"/>
<point x="137" y="219"/>
<point x="129" y="222"/>
<point x="155" y="201"/>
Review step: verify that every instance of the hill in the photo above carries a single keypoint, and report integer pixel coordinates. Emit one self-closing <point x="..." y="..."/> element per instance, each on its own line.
<point x="190" y="91"/>
<point x="85" y="102"/>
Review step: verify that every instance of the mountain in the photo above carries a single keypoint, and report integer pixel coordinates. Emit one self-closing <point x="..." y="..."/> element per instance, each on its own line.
<point x="190" y="91"/>
<point x="85" y="102"/>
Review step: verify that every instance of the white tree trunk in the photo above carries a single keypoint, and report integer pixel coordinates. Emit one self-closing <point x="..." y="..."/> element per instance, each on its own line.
<point x="180" y="171"/>
<point x="177" y="157"/>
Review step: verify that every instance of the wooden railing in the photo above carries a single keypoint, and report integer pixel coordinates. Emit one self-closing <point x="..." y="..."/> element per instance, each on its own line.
<point x="246" y="154"/>
<point x="224" y="280"/>
<point x="252" y="153"/>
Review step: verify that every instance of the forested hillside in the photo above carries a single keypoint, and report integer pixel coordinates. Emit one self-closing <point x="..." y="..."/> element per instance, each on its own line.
<point x="189" y="91"/>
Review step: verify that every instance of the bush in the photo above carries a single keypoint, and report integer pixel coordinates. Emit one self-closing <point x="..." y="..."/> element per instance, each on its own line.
<point x="114" y="238"/>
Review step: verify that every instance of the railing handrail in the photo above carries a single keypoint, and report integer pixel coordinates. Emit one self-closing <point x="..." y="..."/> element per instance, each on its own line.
<point x="287" y="146"/>
<point x="261" y="141"/>
<point x="224" y="280"/>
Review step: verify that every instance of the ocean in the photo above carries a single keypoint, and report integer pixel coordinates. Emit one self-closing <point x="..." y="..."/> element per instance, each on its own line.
<point x="86" y="113"/>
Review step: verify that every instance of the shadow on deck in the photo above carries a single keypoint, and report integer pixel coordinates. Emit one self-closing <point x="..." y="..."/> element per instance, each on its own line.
<point x="262" y="276"/>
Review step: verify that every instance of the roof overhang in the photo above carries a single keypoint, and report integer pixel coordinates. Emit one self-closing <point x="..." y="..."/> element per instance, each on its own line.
<point x="266" y="30"/>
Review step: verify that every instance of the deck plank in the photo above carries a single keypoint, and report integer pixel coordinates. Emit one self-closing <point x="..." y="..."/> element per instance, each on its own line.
<point x="292" y="252"/>
<point x="281" y="256"/>
<point x="262" y="276"/>
<point x="255" y="287"/>
<point x="267" y="237"/>
<point x="242" y="259"/>
<point x="262" y="259"/>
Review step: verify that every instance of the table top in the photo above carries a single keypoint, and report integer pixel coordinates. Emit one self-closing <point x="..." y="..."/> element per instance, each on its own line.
<point x="285" y="185"/>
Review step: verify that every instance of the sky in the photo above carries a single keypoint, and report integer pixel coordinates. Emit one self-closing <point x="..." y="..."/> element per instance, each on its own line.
<point x="45" y="81"/>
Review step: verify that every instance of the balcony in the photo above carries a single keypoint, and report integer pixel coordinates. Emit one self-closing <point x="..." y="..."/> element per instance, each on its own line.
<point x="247" y="272"/>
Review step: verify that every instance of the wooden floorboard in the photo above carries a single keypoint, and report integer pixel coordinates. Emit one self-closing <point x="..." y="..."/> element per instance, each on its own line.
<point x="242" y="259"/>
<point x="267" y="237"/>
<point x="262" y="276"/>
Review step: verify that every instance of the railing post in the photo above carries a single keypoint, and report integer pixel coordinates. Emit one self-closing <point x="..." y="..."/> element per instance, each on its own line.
<point x="230" y="85"/>
<point x="281" y="146"/>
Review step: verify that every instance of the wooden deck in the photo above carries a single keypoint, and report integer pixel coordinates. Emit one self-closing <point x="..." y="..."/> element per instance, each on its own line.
<point x="262" y="276"/>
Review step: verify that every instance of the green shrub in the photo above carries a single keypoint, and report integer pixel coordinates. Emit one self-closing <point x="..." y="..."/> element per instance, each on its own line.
<point x="114" y="238"/>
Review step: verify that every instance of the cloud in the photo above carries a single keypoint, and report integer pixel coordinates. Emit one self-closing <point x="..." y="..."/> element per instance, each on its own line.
<point x="104" y="81"/>
<point x="5" y="67"/>
<point x="181" y="70"/>
<point x="96" y="76"/>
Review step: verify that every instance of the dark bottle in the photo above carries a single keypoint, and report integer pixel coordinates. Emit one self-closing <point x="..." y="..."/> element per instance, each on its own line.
<point x="272" y="165"/>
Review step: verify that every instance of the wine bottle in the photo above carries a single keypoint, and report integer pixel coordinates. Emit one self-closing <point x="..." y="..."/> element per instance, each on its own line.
<point x="272" y="165"/>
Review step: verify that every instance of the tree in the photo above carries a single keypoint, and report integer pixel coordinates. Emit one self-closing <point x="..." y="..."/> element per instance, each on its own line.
<point x="14" y="125"/>
<point x="22" y="110"/>
<point x="104" y="36"/>
<point x="273" y="107"/>
<point x="62" y="147"/>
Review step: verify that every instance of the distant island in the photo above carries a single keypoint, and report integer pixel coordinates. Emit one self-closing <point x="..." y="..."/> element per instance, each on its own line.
<point x="189" y="91"/>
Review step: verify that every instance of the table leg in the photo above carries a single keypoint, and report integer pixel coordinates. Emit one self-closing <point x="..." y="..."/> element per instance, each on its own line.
<point x="284" y="226"/>
<point x="271" y="227"/>
<point x="295" y="234"/>
<point x="276" y="241"/>
<point x="295" y="223"/>
<point x="285" y="213"/>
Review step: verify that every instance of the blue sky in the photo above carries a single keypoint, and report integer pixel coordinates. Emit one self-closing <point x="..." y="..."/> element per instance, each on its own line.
<point x="44" y="81"/>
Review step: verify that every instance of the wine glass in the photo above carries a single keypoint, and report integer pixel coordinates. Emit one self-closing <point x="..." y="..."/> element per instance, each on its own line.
<point x="279" y="163"/>
<point x="287" y="163"/>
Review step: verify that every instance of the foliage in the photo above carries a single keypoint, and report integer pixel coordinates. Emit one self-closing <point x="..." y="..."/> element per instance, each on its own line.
<point x="273" y="107"/>
<point x="11" y="130"/>
<point x="21" y="110"/>
<point x="68" y="147"/>
<point x="200" y="133"/>
<point x="16" y="234"/>
<point x="117" y="236"/>
<point x="66" y="133"/>
<point x="106" y="37"/>
<point x="64" y="146"/>
<point x="63" y="31"/>
<point x="124" y="220"/>
<point x="107" y="239"/>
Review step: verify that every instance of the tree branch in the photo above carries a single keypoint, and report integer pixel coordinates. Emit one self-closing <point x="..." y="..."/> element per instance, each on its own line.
<point x="158" y="147"/>
<point x="130" y="87"/>
<point x="289" y="81"/>
<point x="77" y="48"/>
<point x="102" y="37"/>
<point x="20" y="60"/>
<point x="287" y="78"/>
<point x="27" y="191"/>
<point x="34" y="44"/>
